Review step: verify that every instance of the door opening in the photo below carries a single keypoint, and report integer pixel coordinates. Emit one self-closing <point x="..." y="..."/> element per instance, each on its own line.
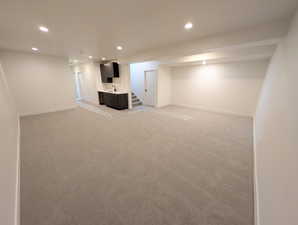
<point x="78" y="85"/>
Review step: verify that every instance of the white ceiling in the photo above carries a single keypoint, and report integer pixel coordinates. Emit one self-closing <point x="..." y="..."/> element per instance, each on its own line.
<point x="96" y="27"/>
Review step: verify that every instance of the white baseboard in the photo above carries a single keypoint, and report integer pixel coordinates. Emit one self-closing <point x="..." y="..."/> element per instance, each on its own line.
<point x="255" y="180"/>
<point x="49" y="111"/>
<point x="91" y="100"/>
<point x="214" y="110"/>
<point x="18" y="178"/>
<point x="161" y="106"/>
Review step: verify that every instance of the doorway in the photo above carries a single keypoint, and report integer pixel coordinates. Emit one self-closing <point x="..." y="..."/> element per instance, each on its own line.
<point x="150" y="87"/>
<point x="78" y="85"/>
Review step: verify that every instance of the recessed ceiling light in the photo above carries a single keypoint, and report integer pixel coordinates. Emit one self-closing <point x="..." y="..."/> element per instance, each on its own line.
<point x="43" y="29"/>
<point x="103" y="58"/>
<point x="90" y="56"/>
<point x="119" y="48"/>
<point x="188" y="26"/>
<point x="35" y="49"/>
<point x="204" y="62"/>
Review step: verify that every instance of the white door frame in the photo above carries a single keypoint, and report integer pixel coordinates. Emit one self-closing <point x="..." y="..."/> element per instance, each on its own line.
<point x="155" y="91"/>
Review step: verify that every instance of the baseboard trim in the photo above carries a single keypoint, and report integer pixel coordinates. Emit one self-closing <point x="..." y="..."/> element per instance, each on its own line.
<point x="89" y="99"/>
<point x="161" y="106"/>
<point x="255" y="179"/>
<point x="49" y="111"/>
<point x="214" y="110"/>
<point x="18" y="178"/>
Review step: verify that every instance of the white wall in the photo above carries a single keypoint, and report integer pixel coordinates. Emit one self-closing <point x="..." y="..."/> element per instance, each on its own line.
<point x="276" y="137"/>
<point x="163" y="86"/>
<point x="231" y="87"/>
<point x="137" y="71"/>
<point x="89" y="81"/>
<point x="9" y="156"/>
<point x="39" y="83"/>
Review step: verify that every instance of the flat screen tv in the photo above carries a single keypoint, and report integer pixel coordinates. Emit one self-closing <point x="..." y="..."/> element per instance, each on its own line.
<point x="109" y="71"/>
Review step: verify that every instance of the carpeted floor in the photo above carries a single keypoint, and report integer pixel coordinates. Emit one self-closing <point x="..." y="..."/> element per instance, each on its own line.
<point x="169" y="166"/>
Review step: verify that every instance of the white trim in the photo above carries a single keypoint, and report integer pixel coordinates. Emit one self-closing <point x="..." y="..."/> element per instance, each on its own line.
<point x="49" y="111"/>
<point x="18" y="182"/>
<point x="256" y="192"/>
<point x="90" y="99"/>
<point x="161" y="106"/>
<point x="213" y="110"/>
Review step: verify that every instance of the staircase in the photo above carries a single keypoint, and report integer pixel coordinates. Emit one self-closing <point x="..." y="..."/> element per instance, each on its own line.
<point x="135" y="101"/>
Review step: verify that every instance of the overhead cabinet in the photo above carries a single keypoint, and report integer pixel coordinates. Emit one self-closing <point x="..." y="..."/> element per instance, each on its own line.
<point x="109" y="71"/>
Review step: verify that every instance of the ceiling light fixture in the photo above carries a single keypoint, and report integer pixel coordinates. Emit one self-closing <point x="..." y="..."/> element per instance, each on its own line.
<point x="35" y="49"/>
<point x="204" y="62"/>
<point x="188" y="26"/>
<point x="103" y="58"/>
<point x="43" y="29"/>
<point x="90" y="56"/>
<point x="119" y="48"/>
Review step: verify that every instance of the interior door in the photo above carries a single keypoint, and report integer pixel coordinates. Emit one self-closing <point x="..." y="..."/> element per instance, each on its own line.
<point x="150" y="84"/>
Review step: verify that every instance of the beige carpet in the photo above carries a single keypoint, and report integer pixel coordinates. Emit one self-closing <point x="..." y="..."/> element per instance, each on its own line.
<point x="171" y="166"/>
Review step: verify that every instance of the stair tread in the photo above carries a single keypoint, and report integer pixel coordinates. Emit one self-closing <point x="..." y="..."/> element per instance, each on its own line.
<point x="135" y="100"/>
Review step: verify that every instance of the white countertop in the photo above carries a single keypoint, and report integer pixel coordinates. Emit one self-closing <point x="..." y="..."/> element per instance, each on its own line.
<point x="114" y="92"/>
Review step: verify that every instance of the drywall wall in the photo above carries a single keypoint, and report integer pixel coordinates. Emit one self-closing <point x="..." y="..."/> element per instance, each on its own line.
<point x="39" y="83"/>
<point x="276" y="137"/>
<point x="88" y="75"/>
<point x="230" y="87"/>
<point x="163" y="86"/>
<point x="137" y="71"/>
<point x="9" y="156"/>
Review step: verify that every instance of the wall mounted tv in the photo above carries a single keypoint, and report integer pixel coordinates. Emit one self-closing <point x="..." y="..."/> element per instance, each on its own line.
<point x="109" y="71"/>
